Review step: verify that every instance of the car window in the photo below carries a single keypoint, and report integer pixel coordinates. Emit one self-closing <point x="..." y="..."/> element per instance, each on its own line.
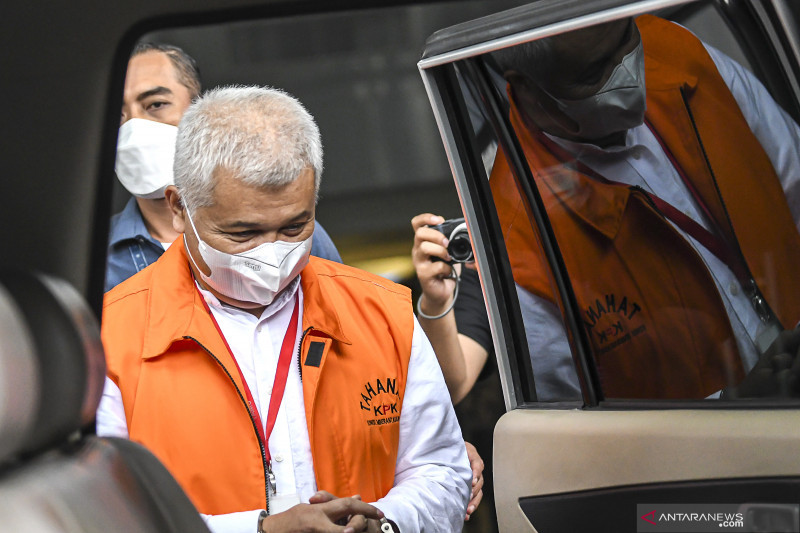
<point x="660" y="153"/>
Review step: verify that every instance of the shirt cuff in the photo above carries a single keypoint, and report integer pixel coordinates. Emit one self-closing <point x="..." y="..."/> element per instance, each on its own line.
<point x="243" y="522"/>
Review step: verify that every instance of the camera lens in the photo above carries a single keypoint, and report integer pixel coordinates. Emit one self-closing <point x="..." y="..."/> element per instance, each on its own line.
<point x="459" y="248"/>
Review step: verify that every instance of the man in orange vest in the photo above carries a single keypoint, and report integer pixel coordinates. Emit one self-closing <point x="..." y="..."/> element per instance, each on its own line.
<point x="260" y="376"/>
<point x="670" y="178"/>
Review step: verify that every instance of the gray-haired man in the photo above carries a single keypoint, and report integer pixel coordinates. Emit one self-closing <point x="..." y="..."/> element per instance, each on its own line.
<point x="258" y="375"/>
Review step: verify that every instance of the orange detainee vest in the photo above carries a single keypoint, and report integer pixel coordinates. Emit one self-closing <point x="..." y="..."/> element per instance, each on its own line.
<point x="184" y="398"/>
<point x="657" y="325"/>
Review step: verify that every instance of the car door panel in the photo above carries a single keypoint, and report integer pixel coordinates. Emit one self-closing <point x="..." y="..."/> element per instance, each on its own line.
<point x="616" y="509"/>
<point x="556" y="465"/>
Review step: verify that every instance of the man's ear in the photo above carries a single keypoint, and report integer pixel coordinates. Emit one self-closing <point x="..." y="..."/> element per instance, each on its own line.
<point x="173" y="198"/>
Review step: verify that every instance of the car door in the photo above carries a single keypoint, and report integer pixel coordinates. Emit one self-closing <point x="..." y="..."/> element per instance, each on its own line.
<point x="596" y="438"/>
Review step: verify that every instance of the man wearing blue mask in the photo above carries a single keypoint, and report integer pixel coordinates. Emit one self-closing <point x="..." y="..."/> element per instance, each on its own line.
<point x="260" y="375"/>
<point x="160" y="84"/>
<point x="670" y="178"/>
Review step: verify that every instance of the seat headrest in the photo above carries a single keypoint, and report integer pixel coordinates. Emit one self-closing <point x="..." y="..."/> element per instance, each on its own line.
<point x="19" y="378"/>
<point x="68" y="355"/>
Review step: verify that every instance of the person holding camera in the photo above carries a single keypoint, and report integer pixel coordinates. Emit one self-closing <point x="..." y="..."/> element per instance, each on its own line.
<point x="461" y="339"/>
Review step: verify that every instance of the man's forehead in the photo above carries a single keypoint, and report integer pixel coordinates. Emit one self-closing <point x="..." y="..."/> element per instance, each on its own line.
<point x="152" y="67"/>
<point x="233" y="198"/>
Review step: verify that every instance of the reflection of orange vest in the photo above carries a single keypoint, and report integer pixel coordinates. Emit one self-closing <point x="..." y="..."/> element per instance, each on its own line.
<point x="183" y="395"/>
<point x="658" y="327"/>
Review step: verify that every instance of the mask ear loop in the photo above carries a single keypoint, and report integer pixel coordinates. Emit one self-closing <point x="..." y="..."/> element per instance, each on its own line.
<point x="453" y="275"/>
<point x="186" y="244"/>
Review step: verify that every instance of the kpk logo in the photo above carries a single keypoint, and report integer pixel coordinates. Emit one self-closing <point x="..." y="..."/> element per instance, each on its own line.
<point x="380" y="402"/>
<point x="613" y="320"/>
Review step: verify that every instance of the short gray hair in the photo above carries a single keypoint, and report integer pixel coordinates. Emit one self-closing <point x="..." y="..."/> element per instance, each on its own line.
<point x="264" y="136"/>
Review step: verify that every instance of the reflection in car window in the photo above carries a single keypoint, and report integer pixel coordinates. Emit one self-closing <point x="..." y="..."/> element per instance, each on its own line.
<point x="668" y="174"/>
<point x="554" y="373"/>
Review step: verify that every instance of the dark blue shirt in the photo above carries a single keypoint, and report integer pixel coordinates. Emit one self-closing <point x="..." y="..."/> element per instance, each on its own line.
<point x="131" y="248"/>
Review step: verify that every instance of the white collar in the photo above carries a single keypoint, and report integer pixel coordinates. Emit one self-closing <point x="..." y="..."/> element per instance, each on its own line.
<point x="285" y="296"/>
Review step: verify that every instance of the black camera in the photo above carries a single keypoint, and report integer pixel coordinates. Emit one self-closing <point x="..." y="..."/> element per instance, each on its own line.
<point x="459" y="248"/>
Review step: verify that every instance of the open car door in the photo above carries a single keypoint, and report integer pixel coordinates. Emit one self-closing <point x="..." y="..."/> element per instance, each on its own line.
<point x="623" y="341"/>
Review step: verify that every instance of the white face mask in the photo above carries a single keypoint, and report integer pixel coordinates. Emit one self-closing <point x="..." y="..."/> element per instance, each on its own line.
<point x="145" y="152"/>
<point x="618" y="106"/>
<point x="257" y="275"/>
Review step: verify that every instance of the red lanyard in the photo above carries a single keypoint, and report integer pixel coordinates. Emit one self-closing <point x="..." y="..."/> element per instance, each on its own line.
<point x="281" y="374"/>
<point x="714" y="241"/>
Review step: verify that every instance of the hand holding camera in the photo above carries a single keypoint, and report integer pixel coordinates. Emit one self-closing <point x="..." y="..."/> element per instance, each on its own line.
<point x="440" y="246"/>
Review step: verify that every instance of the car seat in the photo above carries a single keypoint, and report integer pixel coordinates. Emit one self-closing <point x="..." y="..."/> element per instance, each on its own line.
<point x="55" y="474"/>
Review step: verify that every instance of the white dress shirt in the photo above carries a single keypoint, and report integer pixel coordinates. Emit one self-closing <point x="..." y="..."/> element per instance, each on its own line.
<point x="432" y="473"/>
<point x="642" y="162"/>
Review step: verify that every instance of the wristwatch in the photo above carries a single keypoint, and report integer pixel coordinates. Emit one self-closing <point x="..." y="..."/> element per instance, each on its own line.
<point x="387" y="526"/>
